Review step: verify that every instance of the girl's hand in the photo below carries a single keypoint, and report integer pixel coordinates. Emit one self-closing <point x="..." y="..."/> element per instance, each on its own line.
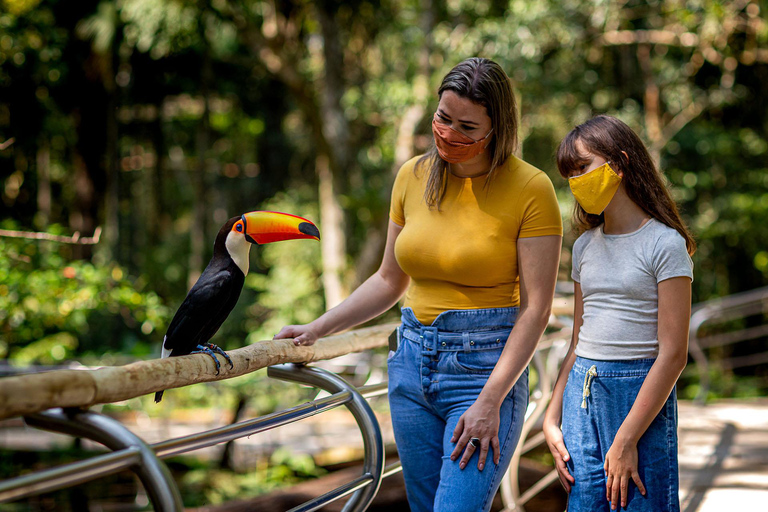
<point x="554" y="437"/>
<point x="301" y="334"/>
<point x="621" y="467"/>
<point x="480" y="421"/>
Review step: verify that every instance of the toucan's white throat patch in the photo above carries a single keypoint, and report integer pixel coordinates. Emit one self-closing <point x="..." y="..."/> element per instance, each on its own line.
<point x="239" y="249"/>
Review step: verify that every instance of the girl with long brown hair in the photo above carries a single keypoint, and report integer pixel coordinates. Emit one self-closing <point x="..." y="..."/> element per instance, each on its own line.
<point x="612" y="423"/>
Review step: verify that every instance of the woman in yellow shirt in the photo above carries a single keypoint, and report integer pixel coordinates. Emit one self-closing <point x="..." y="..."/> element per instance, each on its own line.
<point x="474" y="244"/>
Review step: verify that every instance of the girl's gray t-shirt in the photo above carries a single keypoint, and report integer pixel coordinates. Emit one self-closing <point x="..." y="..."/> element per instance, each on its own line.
<point x="619" y="277"/>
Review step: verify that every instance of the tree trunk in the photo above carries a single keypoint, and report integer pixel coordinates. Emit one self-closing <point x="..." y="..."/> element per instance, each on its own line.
<point x="43" y="185"/>
<point x="333" y="241"/>
<point x="333" y="167"/>
<point x="198" y="232"/>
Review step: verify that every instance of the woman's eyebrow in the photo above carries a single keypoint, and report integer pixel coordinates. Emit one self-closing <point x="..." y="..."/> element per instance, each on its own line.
<point x="465" y="121"/>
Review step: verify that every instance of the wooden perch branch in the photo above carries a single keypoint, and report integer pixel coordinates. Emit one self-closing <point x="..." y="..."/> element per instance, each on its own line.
<point x="27" y="394"/>
<point x="74" y="239"/>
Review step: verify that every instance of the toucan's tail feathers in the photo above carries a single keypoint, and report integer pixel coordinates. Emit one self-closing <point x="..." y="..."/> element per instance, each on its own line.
<point x="158" y="397"/>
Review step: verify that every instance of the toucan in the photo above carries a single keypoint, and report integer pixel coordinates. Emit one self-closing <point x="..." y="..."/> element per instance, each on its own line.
<point x="211" y="299"/>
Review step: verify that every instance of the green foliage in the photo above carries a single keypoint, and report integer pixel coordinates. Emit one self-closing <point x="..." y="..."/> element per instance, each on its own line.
<point x="53" y="308"/>
<point x="288" y="282"/>
<point x="203" y="486"/>
<point x="697" y="96"/>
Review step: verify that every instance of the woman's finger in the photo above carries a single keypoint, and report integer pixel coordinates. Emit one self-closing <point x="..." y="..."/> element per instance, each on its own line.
<point x="560" y="446"/>
<point x="304" y="339"/>
<point x="496" y="449"/>
<point x="458" y="430"/>
<point x="638" y="482"/>
<point x="484" y="445"/>
<point x="460" y="444"/>
<point x="468" y="451"/>
<point x="286" y="332"/>
<point x="608" y="486"/>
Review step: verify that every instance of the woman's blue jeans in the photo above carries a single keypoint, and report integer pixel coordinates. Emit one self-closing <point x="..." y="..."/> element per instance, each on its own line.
<point x="435" y="375"/>
<point x="589" y="431"/>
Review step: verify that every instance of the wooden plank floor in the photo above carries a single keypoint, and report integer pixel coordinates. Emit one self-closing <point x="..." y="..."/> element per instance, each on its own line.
<point x="724" y="456"/>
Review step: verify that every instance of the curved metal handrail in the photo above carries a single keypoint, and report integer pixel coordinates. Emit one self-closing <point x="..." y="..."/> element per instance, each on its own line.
<point x="130" y="452"/>
<point x="111" y="433"/>
<point x="734" y="306"/>
<point x="365" y="487"/>
<point x="546" y="360"/>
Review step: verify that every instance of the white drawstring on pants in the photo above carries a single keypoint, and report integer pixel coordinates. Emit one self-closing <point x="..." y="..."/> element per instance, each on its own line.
<point x="591" y="373"/>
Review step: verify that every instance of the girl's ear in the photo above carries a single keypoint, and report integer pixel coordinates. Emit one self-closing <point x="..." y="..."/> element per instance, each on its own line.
<point x="625" y="160"/>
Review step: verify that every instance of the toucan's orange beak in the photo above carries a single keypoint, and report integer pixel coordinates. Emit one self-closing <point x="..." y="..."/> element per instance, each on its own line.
<point x="267" y="227"/>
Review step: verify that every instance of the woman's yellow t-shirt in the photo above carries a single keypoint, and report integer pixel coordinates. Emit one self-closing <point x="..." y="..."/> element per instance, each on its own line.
<point x="464" y="256"/>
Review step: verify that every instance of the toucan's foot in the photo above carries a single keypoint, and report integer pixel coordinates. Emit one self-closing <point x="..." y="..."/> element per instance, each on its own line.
<point x="212" y="350"/>
<point x="203" y="349"/>
<point x="218" y="350"/>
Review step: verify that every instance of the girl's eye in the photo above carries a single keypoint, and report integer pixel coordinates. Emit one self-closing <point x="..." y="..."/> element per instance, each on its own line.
<point x="467" y="128"/>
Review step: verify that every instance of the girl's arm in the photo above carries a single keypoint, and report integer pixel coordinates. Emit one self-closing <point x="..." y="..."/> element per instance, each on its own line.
<point x="674" y="317"/>
<point x="372" y="298"/>
<point x="554" y="414"/>
<point x="538" y="260"/>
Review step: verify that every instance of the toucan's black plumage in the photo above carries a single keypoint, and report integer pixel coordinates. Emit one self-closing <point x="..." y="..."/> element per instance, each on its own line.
<point x="214" y="295"/>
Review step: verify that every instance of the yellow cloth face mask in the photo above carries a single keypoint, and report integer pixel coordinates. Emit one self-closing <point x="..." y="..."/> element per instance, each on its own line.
<point x="595" y="189"/>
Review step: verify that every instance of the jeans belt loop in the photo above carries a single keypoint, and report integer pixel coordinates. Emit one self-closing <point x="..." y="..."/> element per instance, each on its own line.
<point x="465" y="340"/>
<point x="428" y="340"/>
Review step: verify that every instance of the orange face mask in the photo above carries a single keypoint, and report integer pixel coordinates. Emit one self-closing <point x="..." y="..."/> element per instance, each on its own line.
<point x="455" y="147"/>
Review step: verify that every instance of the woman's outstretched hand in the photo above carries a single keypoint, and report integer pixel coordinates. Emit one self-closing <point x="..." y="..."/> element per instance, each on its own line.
<point x="301" y="334"/>
<point x="554" y="437"/>
<point x="620" y="468"/>
<point x="480" y="421"/>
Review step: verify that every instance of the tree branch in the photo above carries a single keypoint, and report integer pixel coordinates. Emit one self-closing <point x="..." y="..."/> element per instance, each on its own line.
<point x="74" y="239"/>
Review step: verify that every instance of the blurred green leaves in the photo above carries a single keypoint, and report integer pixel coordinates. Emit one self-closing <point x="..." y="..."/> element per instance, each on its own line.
<point x="52" y="307"/>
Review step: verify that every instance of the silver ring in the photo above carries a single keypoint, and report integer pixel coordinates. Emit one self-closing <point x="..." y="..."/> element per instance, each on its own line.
<point x="475" y="441"/>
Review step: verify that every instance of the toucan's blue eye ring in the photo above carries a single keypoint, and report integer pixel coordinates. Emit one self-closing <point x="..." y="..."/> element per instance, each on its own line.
<point x="240" y="227"/>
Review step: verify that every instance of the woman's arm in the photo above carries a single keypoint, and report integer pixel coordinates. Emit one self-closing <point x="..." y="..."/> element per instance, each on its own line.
<point x="554" y="415"/>
<point x="372" y="298"/>
<point x="538" y="260"/>
<point x="674" y="318"/>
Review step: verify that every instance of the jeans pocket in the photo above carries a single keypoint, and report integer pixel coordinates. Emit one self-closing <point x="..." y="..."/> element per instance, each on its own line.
<point x="400" y="342"/>
<point x="478" y="361"/>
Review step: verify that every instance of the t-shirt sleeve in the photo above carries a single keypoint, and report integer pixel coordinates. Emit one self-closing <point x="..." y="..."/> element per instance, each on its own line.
<point x="670" y="257"/>
<point x="397" y="203"/>
<point x="540" y="212"/>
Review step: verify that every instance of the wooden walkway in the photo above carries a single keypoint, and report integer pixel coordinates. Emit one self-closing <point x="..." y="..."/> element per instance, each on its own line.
<point x="724" y="456"/>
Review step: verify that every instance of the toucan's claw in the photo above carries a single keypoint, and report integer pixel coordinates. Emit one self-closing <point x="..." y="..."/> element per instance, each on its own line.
<point x="202" y="349"/>
<point x="212" y="350"/>
<point x="218" y="350"/>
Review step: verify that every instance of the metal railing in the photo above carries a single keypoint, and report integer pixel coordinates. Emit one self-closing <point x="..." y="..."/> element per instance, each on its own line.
<point x="717" y="311"/>
<point x="131" y="452"/>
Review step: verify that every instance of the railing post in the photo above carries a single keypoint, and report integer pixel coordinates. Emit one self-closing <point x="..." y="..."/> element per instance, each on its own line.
<point x="373" y="465"/>
<point x="152" y="472"/>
